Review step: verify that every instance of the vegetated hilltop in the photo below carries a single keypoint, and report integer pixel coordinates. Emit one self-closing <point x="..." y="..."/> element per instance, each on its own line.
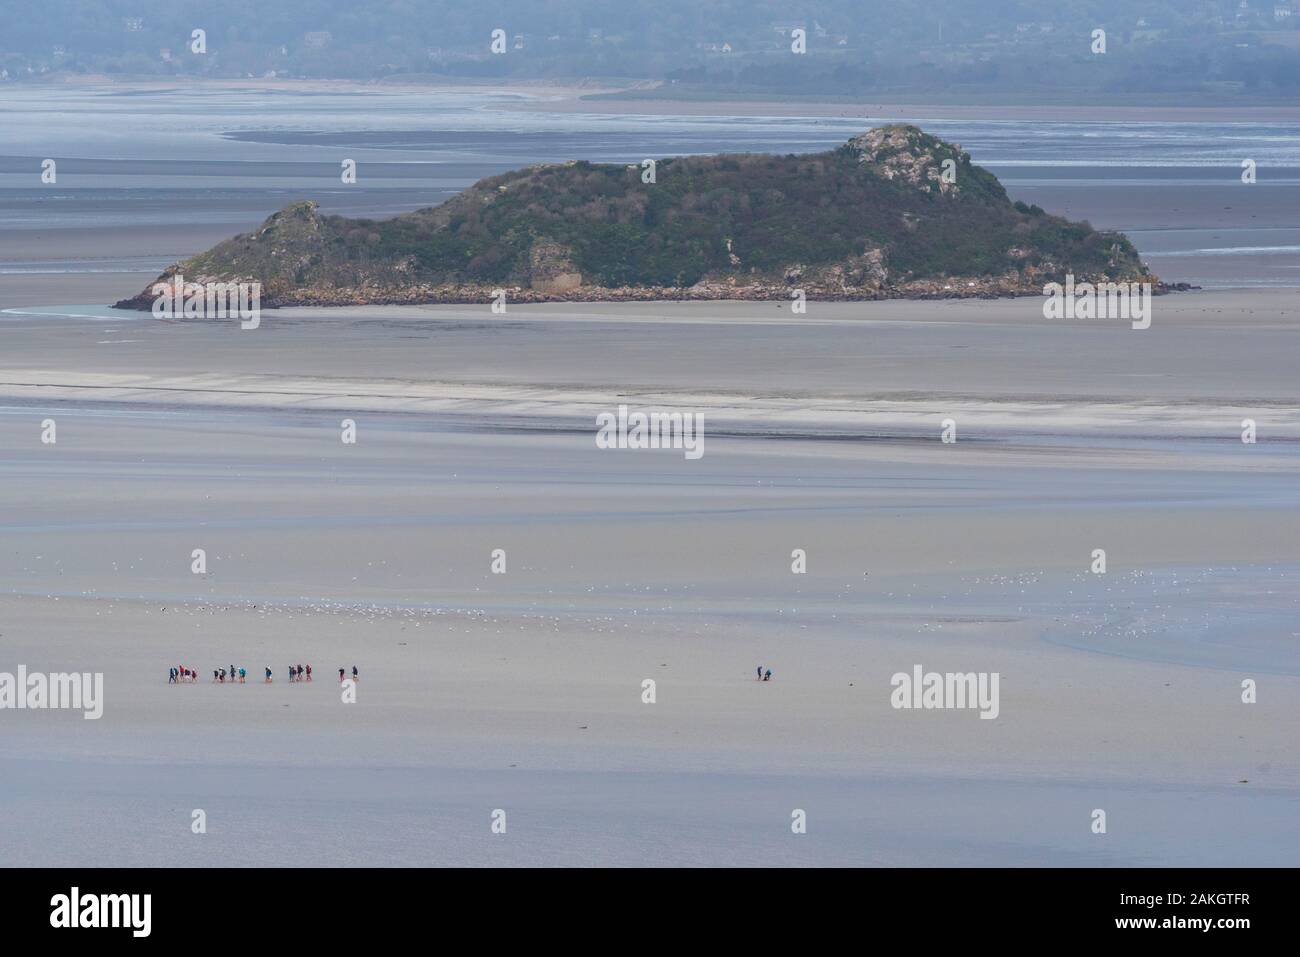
<point x="893" y="213"/>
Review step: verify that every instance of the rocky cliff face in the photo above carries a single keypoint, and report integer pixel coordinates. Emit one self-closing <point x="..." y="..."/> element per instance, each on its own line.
<point x="905" y="154"/>
<point x="893" y="212"/>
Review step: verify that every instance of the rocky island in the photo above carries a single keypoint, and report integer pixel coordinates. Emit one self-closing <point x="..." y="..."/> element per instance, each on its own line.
<point x="893" y="213"/>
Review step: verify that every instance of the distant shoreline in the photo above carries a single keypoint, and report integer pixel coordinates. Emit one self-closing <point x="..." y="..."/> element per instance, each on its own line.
<point x="613" y="96"/>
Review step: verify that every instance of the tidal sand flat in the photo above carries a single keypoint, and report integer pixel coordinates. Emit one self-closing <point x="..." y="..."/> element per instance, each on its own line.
<point x="523" y="691"/>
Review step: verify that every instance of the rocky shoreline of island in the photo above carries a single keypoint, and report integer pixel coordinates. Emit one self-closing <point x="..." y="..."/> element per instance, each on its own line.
<point x="469" y="294"/>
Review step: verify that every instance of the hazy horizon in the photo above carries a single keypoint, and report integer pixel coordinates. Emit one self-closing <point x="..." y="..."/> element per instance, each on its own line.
<point x="1230" y="49"/>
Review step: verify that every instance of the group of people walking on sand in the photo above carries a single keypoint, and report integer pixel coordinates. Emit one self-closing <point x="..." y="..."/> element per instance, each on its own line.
<point x="180" y="674"/>
<point x="764" y="676"/>
<point x="233" y="675"/>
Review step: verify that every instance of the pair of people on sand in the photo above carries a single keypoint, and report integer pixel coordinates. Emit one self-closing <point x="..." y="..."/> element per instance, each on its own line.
<point x="355" y="676"/>
<point x="764" y="676"/>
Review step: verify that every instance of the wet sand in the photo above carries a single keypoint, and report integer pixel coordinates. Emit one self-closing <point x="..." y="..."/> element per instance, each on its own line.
<point x="522" y="691"/>
<point x="1208" y="360"/>
<point x="943" y="107"/>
